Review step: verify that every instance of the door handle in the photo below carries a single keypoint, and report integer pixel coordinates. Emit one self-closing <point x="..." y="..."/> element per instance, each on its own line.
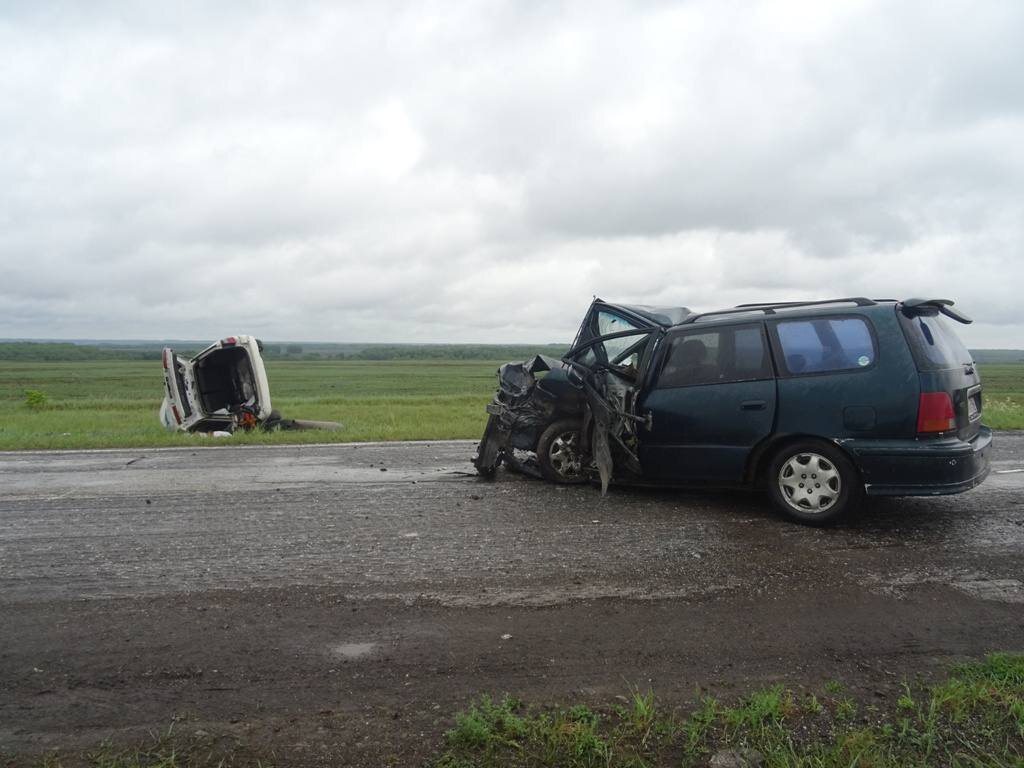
<point x="753" y="405"/>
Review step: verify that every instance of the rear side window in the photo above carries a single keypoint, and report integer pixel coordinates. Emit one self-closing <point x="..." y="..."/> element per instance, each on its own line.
<point x="821" y="345"/>
<point x="935" y="345"/>
<point x="716" y="357"/>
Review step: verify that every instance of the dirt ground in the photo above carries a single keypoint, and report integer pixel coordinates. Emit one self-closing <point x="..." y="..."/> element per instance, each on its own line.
<point x="337" y="605"/>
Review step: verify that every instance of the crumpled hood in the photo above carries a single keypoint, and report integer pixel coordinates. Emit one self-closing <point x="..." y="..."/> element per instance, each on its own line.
<point x="517" y="379"/>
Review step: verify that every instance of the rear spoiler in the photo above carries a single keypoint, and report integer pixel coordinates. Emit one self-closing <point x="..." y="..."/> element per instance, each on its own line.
<point x="912" y="307"/>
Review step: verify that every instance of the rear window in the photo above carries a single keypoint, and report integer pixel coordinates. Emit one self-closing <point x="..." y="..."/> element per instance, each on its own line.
<point x="935" y="345"/>
<point x="824" y="344"/>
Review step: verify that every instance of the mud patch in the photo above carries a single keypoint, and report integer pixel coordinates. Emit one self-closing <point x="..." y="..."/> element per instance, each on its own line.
<point x="354" y="650"/>
<point x="1003" y="590"/>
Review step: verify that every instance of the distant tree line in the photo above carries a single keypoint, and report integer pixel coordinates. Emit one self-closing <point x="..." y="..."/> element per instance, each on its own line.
<point x="33" y="352"/>
<point x="43" y="352"/>
<point x="47" y="351"/>
<point x="998" y="355"/>
<point x="456" y="351"/>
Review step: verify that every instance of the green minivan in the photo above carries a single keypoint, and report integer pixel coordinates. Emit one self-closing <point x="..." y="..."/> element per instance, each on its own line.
<point x="819" y="403"/>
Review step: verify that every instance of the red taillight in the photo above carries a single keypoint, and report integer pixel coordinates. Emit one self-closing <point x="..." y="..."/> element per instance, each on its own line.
<point x="177" y="416"/>
<point x="230" y="341"/>
<point x="935" y="413"/>
<point x="165" y="359"/>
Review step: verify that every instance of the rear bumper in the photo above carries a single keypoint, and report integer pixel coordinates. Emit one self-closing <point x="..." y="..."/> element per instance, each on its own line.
<point x="922" y="467"/>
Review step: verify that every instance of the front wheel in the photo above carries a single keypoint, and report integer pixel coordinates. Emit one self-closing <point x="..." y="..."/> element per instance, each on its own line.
<point x="813" y="483"/>
<point x="559" y="452"/>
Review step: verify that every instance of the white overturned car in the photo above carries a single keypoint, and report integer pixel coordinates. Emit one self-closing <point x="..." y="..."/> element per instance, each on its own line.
<point x="221" y="389"/>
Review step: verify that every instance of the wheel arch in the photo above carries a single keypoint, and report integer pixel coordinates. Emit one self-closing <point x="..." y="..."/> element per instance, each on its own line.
<point x="761" y="457"/>
<point x="535" y="428"/>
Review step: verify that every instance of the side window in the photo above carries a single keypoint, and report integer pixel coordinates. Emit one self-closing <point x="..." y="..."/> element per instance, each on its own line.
<point x="825" y="344"/>
<point x="611" y="349"/>
<point x="750" y="360"/>
<point x="615" y="347"/>
<point x="716" y="357"/>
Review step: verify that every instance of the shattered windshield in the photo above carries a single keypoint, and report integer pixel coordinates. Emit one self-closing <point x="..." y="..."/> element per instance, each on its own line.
<point x="608" y="323"/>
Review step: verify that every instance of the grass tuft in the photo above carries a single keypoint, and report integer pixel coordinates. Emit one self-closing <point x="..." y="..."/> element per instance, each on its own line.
<point x="975" y="717"/>
<point x="486" y="724"/>
<point x="165" y="750"/>
<point x="35" y="400"/>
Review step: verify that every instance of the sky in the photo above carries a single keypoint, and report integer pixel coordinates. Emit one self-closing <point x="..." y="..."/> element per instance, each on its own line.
<point x="478" y="171"/>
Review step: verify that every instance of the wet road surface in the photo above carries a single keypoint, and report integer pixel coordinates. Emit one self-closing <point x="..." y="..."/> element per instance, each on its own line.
<point x="302" y="596"/>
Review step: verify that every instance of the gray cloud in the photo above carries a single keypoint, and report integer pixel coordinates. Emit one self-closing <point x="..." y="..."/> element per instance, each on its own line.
<point x="477" y="172"/>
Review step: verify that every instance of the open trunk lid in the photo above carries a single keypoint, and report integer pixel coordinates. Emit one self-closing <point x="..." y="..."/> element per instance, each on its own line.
<point x="951" y="401"/>
<point x="180" y="410"/>
<point x="231" y="381"/>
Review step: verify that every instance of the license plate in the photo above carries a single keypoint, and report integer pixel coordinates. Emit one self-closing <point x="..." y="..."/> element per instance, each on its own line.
<point x="974" y="407"/>
<point x="495" y="409"/>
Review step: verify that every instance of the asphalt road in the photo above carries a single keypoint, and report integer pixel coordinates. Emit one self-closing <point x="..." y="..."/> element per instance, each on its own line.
<point x="338" y="604"/>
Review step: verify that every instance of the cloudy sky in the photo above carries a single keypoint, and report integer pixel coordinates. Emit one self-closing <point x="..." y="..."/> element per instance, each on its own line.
<point x="477" y="171"/>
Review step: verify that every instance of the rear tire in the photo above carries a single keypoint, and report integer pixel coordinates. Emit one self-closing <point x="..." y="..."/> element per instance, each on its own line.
<point x="559" y="453"/>
<point x="813" y="482"/>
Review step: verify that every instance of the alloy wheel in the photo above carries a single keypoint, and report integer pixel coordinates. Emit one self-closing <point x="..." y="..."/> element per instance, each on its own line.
<point x="564" y="455"/>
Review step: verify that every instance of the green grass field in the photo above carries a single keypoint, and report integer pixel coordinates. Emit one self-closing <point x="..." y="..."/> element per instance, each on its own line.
<point x="1003" y="395"/>
<point x="114" y="404"/>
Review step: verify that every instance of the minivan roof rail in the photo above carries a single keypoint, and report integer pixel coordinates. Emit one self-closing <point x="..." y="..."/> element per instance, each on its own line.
<point x="769" y="308"/>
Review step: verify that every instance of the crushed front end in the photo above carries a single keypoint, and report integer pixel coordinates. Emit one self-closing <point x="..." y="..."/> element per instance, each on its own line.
<point x="578" y="416"/>
<point x="531" y="395"/>
<point x="561" y="421"/>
